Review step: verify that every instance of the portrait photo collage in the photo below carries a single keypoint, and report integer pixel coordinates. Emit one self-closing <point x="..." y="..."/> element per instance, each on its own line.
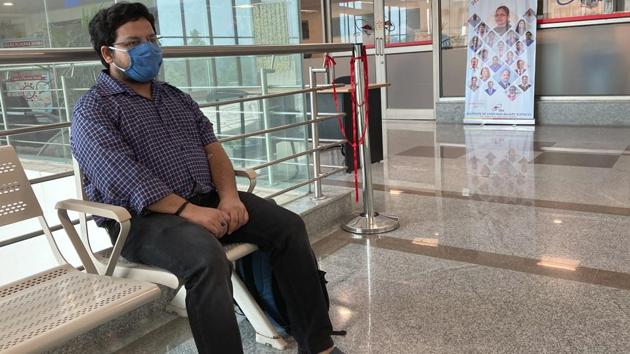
<point x="501" y="54"/>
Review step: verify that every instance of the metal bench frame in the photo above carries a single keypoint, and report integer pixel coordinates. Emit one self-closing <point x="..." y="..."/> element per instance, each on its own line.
<point x="42" y="311"/>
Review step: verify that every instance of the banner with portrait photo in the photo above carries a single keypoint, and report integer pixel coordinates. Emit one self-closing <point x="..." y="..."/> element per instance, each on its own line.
<point x="501" y="62"/>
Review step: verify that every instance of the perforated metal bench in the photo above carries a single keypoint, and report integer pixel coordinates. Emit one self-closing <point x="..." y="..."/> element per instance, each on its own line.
<point x="42" y="311"/>
<point x="109" y="261"/>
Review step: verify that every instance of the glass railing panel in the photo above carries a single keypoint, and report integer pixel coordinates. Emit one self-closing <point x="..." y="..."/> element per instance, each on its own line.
<point x="35" y="255"/>
<point x="25" y="258"/>
<point x="47" y="150"/>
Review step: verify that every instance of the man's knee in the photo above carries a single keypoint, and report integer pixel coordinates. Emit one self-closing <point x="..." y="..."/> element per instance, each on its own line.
<point x="207" y="259"/>
<point x="295" y="223"/>
<point x="213" y="272"/>
<point x="213" y="258"/>
<point x="294" y="230"/>
<point x="287" y="225"/>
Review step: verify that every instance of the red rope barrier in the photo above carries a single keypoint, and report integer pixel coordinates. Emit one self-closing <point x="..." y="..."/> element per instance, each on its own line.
<point x="357" y="139"/>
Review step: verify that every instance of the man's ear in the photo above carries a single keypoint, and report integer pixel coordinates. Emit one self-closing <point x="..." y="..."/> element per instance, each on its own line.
<point x="106" y="53"/>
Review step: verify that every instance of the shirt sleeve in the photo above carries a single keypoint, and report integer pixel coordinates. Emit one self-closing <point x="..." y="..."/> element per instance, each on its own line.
<point x="109" y="163"/>
<point x="206" y="130"/>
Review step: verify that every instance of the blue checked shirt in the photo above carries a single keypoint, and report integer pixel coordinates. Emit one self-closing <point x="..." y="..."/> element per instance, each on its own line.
<point x="134" y="151"/>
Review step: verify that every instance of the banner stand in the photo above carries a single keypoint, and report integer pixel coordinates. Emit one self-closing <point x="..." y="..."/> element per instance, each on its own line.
<point x="501" y="62"/>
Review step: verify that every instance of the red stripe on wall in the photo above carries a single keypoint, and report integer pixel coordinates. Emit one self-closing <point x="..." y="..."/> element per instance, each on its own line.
<point x="583" y="18"/>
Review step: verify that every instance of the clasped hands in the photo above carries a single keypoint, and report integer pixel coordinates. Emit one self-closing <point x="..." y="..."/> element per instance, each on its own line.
<point x="226" y="218"/>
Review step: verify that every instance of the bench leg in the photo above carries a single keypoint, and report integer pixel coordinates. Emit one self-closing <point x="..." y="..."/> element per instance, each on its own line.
<point x="265" y="332"/>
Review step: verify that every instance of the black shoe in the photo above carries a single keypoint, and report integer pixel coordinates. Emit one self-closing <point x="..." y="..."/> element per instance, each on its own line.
<point x="334" y="351"/>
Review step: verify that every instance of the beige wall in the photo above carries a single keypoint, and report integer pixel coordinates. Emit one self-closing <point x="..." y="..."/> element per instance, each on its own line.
<point x="314" y="26"/>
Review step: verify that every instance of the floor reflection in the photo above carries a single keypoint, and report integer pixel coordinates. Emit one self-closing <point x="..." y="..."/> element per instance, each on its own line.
<point x="577" y="168"/>
<point x="499" y="161"/>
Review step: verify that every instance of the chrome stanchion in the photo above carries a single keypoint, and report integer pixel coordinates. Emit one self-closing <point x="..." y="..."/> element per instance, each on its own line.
<point x="315" y="133"/>
<point x="369" y="221"/>
<point x="264" y="90"/>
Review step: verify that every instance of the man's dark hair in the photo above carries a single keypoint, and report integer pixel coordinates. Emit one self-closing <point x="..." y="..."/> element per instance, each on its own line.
<point x="104" y="24"/>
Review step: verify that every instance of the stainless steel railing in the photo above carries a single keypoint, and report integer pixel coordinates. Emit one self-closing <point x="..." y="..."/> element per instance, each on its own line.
<point x="73" y="55"/>
<point x="70" y="55"/>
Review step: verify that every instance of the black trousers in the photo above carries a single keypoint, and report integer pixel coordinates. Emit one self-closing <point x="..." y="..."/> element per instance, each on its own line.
<point x="192" y="253"/>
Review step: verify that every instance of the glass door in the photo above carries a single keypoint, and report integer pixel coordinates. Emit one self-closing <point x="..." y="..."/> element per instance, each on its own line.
<point x="351" y="22"/>
<point x="397" y="34"/>
<point x="408" y="64"/>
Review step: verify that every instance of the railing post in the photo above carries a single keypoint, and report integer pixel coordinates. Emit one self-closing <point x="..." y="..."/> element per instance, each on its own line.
<point x="369" y="221"/>
<point x="315" y="133"/>
<point x="264" y="89"/>
<point x="66" y="105"/>
<point x="3" y="107"/>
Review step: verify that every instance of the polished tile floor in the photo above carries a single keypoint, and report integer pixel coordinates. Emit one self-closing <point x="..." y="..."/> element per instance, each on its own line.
<point x="511" y="241"/>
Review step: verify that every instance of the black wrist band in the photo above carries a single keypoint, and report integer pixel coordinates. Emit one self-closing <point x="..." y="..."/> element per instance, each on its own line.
<point x="181" y="208"/>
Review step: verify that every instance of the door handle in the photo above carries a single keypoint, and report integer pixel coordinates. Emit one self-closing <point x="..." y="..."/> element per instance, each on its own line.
<point x="380" y="46"/>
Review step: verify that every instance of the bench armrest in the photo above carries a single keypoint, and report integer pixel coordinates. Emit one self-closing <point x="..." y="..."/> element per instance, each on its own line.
<point x="249" y="174"/>
<point x="118" y="214"/>
<point x="109" y="211"/>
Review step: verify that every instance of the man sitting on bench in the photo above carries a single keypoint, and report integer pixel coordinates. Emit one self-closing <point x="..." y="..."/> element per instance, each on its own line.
<point x="146" y="146"/>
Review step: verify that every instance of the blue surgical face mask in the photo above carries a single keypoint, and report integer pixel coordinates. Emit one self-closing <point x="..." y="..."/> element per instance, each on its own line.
<point x="144" y="62"/>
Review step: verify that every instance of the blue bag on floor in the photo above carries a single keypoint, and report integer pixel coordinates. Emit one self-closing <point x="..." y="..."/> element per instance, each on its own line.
<point x="255" y="271"/>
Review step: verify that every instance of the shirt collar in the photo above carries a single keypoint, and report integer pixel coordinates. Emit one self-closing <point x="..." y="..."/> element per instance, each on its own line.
<point x="108" y="86"/>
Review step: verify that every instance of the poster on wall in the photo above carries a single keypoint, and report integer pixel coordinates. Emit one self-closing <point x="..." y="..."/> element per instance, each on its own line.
<point x="33" y="85"/>
<point x="501" y="62"/>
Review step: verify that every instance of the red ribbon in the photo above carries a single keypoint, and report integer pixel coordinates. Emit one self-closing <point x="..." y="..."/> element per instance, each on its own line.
<point x="330" y="62"/>
<point x="356" y="140"/>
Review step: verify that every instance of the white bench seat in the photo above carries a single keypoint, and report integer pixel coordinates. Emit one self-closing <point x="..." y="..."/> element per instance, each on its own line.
<point x="45" y="310"/>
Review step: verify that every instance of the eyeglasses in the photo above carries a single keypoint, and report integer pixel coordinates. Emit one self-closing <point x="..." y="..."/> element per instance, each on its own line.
<point x="135" y="42"/>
